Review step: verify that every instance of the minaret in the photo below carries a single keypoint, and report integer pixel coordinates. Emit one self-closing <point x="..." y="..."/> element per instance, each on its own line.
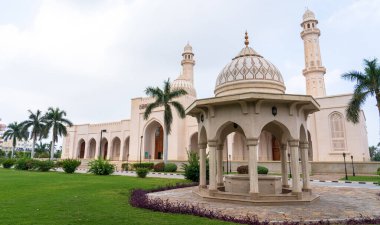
<point x="314" y="71"/>
<point x="188" y="63"/>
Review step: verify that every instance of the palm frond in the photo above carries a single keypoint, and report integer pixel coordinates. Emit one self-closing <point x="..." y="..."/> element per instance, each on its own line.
<point x="149" y="109"/>
<point x="154" y="92"/>
<point x="354" y="106"/>
<point x="177" y="93"/>
<point x="178" y="106"/>
<point x="354" y="76"/>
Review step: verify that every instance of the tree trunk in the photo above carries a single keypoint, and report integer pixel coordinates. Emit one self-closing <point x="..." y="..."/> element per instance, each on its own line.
<point x="13" y="150"/>
<point x="33" y="147"/>
<point x="52" y="149"/>
<point x="13" y="147"/>
<point x="166" y="147"/>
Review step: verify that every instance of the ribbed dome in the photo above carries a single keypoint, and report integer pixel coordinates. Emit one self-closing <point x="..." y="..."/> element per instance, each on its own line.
<point x="249" y="72"/>
<point x="186" y="85"/>
<point x="308" y="15"/>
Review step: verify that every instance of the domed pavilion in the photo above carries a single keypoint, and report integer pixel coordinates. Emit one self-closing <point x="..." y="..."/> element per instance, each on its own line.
<point x="250" y="98"/>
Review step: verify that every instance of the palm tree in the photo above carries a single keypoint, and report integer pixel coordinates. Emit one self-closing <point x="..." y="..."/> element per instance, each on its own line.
<point x="164" y="98"/>
<point x="55" y="120"/>
<point x="37" y="125"/>
<point x="15" y="132"/>
<point x="367" y="84"/>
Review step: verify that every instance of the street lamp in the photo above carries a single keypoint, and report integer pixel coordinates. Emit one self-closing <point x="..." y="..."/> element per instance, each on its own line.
<point x="290" y="168"/>
<point x="353" y="169"/>
<point x="230" y="164"/>
<point x="345" y="167"/>
<point x="100" y="143"/>
<point x="140" y="148"/>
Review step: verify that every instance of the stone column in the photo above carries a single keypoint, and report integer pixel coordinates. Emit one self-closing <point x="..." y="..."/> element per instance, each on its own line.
<point x="212" y="164"/>
<point x="109" y="150"/>
<point x="219" y="168"/>
<point x="304" y="147"/>
<point x="284" y="166"/>
<point x="252" y="167"/>
<point x="296" y="187"/>
<point x="202" y="165"/>
<point x="122" y="153"/>
<point x="97" y="150"/>
<point x="87" y="150"/>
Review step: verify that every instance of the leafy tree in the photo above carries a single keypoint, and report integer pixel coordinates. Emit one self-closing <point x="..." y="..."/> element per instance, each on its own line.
<point x="37" y="125"/>
<point x="164" y="98"/>
<point x="56" y="122"/>
<point x="42" y="150"/>
<point x="15" y="132"/>
<point x="374" y="152"/>
<point x="367" y="84"/>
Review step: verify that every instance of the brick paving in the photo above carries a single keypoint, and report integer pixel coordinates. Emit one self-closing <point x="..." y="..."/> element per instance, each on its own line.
<point x="334" y="203"/>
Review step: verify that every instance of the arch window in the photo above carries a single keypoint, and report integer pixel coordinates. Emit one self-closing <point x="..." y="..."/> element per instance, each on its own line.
<point x="337" y="132"/>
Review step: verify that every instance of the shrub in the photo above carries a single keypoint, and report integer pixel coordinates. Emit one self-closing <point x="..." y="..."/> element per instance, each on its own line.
<point x="147" y="165"/>
<point x="244" y="170"/>
<point x="26" y="164"/>
<point x="70" y="165"/>
<point x="159" y="167"/>
<point x="125" y="166"/>
<point x="262" y="170"/>
<point x="8" y="163"/>
<point x="101" y="167"/>
<point x="170" y="167"/>
<point x="142" y="172"/>
<point x="45" y="165"/>
<point x="192" y="167"/>
<point x="378" y="171"/>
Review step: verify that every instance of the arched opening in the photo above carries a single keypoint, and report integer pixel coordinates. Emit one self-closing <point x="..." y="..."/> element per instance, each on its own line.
<point x="92" y="149"/>
<point x="194" y="143"/>
<point x="82" y="147"/>
<point x="310" y="146"/>
<point x="272" y="134"/>
<point x="104" y="148"/>
<point x="126" y="149"/>
<point x="239" y="146"/>
<point x="153" y="141"/>
<point x="116" y="144"/>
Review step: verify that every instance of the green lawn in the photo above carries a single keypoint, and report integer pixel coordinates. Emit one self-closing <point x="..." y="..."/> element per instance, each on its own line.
<point x="56" y="198"/>
<point x="363" y="178"/>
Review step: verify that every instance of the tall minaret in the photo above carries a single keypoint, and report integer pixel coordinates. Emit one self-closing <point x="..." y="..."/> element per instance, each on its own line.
<point x="188" y="63"/>
<point x="314" y="71"/>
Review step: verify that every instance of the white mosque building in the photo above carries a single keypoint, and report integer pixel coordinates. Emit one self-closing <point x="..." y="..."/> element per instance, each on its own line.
<point x="329" y="133"/>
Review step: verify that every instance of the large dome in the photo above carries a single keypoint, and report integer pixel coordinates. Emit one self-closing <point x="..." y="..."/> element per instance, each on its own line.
<point x="249" y="72"/>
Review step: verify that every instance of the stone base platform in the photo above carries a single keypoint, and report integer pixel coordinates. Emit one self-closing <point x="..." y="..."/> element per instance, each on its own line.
<point x="334" y="203"/>
<point x="261" y="199"/>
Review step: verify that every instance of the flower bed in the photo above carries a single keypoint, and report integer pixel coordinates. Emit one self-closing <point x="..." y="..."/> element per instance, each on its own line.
<point x="139" y="198"/>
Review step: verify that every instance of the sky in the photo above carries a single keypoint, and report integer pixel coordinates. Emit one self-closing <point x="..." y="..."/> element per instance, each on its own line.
<point x="90" y="57"/>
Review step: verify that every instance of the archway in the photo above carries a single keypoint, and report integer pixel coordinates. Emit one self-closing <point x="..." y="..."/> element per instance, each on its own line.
<point x="82" y="147"/>
<point x="239" y="147"/>
<point x="126" y="149"/>
<point x="92" y="149"/>
<point x="310" y="146"/>
<point x="104" y="148"/>
<point x="153" y="141"/>
<point x="194" y="143"/>
<point x="116" y="144"/>
<point x="272" y="136"/>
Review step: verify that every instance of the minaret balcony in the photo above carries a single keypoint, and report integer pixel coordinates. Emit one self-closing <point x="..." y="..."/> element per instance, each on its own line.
<point x="314" y="69"/>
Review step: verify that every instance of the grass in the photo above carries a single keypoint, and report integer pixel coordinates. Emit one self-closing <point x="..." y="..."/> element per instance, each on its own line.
<point x="58" y="198"/>
<point x="363" y="178"/>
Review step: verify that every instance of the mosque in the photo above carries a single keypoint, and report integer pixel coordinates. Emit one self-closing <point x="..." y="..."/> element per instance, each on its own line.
<point x="328" y="133"/>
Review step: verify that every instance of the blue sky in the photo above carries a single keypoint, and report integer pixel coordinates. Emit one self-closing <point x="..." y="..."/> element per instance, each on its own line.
<point x="91" y="57"/>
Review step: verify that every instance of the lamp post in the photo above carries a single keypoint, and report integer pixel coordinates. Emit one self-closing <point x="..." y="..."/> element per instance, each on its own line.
<point x="345" y="167"/>
<point x="100" y="143"/>
<point x="353" y="168"/>
<point x="230" y="164"/>
<point x="290" y="168"/>
<point x="227" y="160"/>
<point x="140" y="147"/>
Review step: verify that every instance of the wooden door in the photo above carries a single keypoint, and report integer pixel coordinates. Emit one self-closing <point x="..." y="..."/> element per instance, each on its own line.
<point x="276" y="149"/>
<point x="158" y="143"/>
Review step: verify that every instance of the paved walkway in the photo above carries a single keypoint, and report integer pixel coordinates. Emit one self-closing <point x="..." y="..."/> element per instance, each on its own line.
<point x="334" y="203"/>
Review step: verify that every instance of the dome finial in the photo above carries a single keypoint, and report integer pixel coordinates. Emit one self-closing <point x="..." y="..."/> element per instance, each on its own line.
<point x="246" y="42"/>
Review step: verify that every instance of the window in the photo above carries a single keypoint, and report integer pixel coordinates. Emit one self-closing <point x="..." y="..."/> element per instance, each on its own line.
<point x="308" y="25"/>
<point x="337" y="132"/>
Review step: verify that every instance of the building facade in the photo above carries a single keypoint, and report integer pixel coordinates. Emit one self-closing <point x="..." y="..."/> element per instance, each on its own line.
<point x="329" y="134"/>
